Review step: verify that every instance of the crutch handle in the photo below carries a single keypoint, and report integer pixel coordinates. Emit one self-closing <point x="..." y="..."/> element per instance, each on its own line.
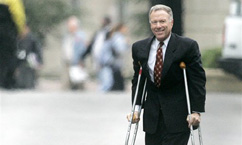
<point x="182" y="65"/>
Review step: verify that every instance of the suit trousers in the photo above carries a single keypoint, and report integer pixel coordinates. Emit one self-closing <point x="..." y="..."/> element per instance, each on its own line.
<point x="163" y="137"/>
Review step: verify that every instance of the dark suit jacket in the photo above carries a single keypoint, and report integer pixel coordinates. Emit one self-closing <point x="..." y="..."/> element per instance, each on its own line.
<point x="170" y="97"/>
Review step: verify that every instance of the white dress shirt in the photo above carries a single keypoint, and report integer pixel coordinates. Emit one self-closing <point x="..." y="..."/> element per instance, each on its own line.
<point x="152" y="55"/>
<point x="152" y="58"/>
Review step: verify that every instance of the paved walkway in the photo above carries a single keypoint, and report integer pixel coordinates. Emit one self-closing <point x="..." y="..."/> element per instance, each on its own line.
<point x="90" y="118"/>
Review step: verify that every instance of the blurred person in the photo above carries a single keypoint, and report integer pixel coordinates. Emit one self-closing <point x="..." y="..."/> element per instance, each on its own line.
<point x="99" y="46"/>
<point x="119" y="47"/>
<point x="110" y="59"/>
<point x="105" y="61"/>
<point x="97" y="41"/>
<point x="12" y="20"/>
<point x="165" y="118"/>
<point x="74" y="45"/>
<point x="30" y="59"/>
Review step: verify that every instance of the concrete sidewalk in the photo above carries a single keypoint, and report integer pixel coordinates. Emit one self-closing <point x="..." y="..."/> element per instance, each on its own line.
<point x="90" y="118"/>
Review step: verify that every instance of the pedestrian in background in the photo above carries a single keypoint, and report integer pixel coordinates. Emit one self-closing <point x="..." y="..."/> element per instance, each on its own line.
<point x="110" y="59"/>
<point x="30" y="60"/>
<point x="74" y="46"/>
<point x="119" y="49"/>
<point x="99" y="48"/>
<point x="97" y="41"/>
<point x="12" y="20"/>
<point x="165" y="109"/>
<point x="105" y="61"/>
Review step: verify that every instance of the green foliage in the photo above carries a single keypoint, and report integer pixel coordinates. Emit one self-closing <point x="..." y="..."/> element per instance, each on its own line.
<point x="210" y="57"/>
<point x="43" y="15"/>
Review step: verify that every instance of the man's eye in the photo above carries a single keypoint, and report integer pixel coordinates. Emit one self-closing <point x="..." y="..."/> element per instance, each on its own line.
<point x="154" y="22"/>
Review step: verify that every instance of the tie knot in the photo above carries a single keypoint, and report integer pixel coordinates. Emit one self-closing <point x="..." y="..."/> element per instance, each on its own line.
<point x="161" y="44"/>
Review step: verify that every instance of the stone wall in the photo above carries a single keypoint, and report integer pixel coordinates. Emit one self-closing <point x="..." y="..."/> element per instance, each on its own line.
<point x="203" y="21"/>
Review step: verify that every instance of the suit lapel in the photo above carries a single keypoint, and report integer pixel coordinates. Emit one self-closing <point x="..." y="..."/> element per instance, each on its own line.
<point x="147" y="53"/>
<point x="169" y="56"/>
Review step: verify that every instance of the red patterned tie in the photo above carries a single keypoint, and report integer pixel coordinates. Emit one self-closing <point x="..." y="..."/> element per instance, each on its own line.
<point x="158" y="65"/>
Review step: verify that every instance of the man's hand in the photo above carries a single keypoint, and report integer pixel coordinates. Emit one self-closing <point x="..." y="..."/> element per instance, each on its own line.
<point x="193" y="119"/>
<point x="135" y="117"/>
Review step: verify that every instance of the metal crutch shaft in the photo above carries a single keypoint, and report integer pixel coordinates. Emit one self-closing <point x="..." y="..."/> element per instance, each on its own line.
<point x="183" y="66"/>
<point x="133" y="107"/>
<point x="137" y="124"/>
<point x="200" y="135"/>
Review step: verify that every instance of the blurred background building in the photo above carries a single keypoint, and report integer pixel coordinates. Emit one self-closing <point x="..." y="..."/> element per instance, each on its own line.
<point x="200" y="20"/>
<point x="203" y="20"/>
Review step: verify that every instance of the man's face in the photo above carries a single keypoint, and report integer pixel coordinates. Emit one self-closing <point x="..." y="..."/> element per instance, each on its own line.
<point x="160" y="24"/>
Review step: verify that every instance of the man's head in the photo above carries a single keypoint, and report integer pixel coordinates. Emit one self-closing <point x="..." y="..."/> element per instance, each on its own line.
<point x="161" y="21"/>
<point x="106" y="21"/>
<point x="73" y="24"/>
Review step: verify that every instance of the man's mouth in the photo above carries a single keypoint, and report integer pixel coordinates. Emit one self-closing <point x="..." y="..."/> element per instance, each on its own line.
<point x="160" y="30"/>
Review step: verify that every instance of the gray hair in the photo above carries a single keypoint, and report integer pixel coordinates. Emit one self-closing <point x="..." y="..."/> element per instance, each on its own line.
<point x="162" y="7"/>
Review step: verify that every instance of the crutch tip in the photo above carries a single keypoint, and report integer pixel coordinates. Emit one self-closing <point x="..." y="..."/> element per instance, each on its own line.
<point x="182" y="65"/>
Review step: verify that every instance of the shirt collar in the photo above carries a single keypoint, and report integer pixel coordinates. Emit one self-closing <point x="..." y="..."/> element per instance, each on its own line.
<point x="166" y="41"/>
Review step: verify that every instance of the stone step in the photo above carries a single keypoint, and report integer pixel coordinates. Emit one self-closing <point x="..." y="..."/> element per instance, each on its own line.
<point x="219" y="81"/>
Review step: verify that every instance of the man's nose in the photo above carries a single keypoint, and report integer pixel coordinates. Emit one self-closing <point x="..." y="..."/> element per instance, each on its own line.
<point x="159" y="24"/>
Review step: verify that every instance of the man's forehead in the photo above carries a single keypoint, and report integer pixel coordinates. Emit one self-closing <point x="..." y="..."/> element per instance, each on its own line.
<point x="159" y="11"/>
<point x="159" y="14"/>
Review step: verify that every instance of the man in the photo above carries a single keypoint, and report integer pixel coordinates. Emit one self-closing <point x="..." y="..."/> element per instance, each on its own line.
<point x="30" y="60"/>
<point x="165" y="110"/>
<point x="98" y="39"/>
<point x="98" y="46"/>
<point x="74" y="45"/>
<point x="12" y="20"/>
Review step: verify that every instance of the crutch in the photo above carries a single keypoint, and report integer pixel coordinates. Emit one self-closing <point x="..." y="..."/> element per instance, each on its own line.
<point x="183" y="66"/>
<point x="133" y="109"/>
